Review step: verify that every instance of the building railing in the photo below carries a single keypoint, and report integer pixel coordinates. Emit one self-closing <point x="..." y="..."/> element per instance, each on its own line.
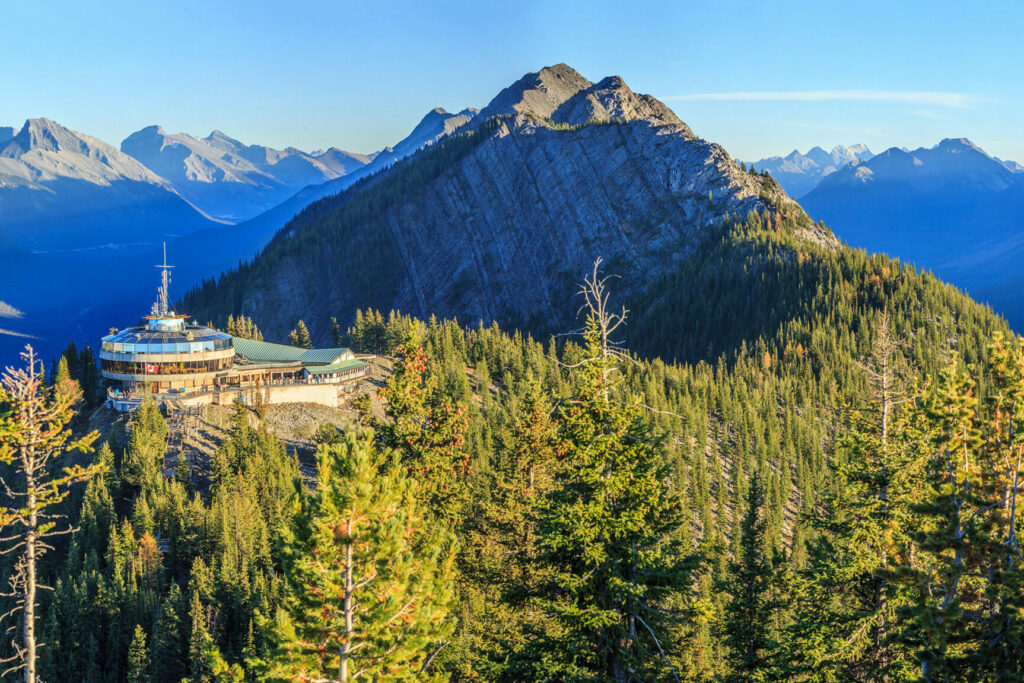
<point x="137" y="396"/>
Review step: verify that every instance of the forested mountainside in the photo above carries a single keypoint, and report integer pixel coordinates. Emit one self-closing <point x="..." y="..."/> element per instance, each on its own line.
<point x="500" y="222"/>
<point x="791" y="460"/>
<point x="560" y="491"/>
<point x="951" y="208"/>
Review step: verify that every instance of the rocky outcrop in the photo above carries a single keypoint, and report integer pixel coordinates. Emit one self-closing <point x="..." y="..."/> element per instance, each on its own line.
<point x="612" y="100"/>
<point x="537" y="94"/>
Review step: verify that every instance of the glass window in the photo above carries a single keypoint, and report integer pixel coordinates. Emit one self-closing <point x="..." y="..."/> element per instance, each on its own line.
<point x="181" y="348"/>
<point x="208" y="346"/>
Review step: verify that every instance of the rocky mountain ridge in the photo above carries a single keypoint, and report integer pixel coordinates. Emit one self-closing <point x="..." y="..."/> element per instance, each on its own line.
<point x="43" y="150"/>
<point x="502" y="221"/>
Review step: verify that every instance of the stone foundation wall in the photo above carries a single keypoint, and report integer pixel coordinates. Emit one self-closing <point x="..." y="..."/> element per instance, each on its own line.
<point x="324" y="394"/>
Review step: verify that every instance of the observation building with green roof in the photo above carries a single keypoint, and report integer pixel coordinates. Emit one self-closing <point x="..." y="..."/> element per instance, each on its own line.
<point x="172" y="359"/>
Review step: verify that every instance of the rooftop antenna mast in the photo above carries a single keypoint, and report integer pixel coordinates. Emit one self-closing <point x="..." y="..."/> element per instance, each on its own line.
<point x="161" y="308"/>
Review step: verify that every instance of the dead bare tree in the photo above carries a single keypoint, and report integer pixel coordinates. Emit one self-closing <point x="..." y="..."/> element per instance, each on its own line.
<point x="596" y="297"/>
<point x="886" y="369"/>
<point x="33" y="432"/>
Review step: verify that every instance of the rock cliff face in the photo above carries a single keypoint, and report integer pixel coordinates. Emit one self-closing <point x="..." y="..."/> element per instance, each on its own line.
<point x="502" y="223"/>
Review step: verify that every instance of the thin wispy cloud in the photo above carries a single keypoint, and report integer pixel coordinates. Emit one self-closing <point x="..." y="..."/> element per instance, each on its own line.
<point x="919" y="97"/>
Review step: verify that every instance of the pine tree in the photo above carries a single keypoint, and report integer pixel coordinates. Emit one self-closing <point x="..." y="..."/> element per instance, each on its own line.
<point x="369" y="581"/>
<point x="65" y="384"/>
<point x="300" y="336"/>
<point x="138" y="658"/>
<point x="747" y="619"/>
<point x="33" y="433"/>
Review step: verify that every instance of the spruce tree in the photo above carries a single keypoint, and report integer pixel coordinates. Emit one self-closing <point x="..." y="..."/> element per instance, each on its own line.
<point x="368" y="579"/>
<point x="335" y="332"/>
<point x="170" y="646"/>
<point x="89" y="377"/>
<point x="747" y="619"/>
<point x="426" y="428"/>
<point x="606" y="533"/>
<point x="143" y="460"/>
<point x="846" y="593"/>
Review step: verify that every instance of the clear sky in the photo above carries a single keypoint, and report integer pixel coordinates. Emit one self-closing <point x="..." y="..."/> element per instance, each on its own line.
<point x="759" y="77"/>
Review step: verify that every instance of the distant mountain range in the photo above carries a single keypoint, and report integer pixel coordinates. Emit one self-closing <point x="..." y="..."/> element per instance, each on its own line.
<point x="464" y="229"/>
<point x="800" y="173"/>
<point x="950" y="208"/>
<point x="228" y="179"/>
<point x="82" y="221"/>
<point x="62" y="190"/>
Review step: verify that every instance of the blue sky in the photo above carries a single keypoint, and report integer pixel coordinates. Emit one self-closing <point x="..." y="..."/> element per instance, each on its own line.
<point x="759" y="77"/>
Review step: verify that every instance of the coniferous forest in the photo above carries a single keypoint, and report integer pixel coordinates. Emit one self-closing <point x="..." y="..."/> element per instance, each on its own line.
<point x="792" y="462"/>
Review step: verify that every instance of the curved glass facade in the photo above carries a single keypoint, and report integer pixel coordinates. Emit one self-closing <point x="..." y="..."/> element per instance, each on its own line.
<point x="166" y="347"/>
<point x="192" y="367"/>
<point x="139" y="340"/>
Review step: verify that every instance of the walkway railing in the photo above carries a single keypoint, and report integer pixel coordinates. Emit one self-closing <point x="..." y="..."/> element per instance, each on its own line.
<point x="137" y="396"/>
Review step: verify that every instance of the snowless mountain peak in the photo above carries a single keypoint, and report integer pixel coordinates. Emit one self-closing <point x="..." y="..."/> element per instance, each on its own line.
<point x="956" y="145"/>
<point x="43" y="150"/>
<point x="539" y="93"/>
<point x="561" y="94"/>
<point x="229" y="179"/>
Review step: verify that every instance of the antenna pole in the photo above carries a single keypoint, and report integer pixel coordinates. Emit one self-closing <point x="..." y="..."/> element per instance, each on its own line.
<point x="161" y="307"/>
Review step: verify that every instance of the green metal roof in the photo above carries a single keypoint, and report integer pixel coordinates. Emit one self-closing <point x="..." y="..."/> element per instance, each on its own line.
<point x="259" y="351"/>
<point x="340" y="366"/>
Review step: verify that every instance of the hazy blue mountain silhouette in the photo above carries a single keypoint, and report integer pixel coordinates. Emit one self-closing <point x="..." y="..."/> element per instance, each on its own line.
<point x="950" y="208"/>
<point x="800" y="173"/>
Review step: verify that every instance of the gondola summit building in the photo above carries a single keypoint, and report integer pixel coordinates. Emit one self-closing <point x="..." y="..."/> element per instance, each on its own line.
<point x="172" y="359"/>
